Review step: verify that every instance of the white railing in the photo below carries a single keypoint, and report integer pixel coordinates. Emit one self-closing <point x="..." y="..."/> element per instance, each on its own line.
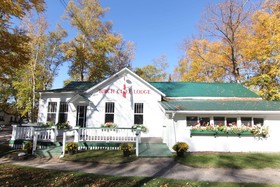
<point x="28" y="132"/>
<point x="113" y="135"/>
<point x="105" y="135"/>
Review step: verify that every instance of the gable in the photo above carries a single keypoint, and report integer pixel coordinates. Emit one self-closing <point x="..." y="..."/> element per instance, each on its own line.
<point x="132" y="82"/>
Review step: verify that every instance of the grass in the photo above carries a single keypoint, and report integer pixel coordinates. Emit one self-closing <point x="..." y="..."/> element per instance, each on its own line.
<point x="200" y="160"/>
<point x="11" y="175"/>
<point x="232" y="160"/>
<point x="100" y="156"/>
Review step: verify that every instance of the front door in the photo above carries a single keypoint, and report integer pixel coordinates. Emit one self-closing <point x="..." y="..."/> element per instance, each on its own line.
<point x="81" y="116"/>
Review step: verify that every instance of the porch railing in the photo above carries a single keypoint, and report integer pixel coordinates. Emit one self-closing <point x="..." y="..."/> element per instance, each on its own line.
<point x="105" y="135"/>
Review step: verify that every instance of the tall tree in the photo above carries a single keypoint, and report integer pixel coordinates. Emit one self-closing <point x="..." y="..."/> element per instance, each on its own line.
<point x="155" y="72"/>
<point x="38" y="73"/>
<point x="93" y="52"/>
<point x="222" y="29"/>
<point x="14" y="49"/>
<point x="13" y="41"/>
<point x="263" y="51"/>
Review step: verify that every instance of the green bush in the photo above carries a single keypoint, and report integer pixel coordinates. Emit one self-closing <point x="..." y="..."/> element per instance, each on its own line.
<point x="27" y="145"/>
<point x="71" y="147"/>
<point x="180" y="148"/>
<point x="127" y="148"/>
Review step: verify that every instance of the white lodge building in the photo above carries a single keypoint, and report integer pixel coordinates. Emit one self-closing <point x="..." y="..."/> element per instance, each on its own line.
<point x="171" y="111"/>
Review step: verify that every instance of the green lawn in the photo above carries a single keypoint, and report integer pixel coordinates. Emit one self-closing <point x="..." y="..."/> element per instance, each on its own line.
<point x="232" y="160"/>
<point x="101" y="156"/>
<point x="11" y="175"/>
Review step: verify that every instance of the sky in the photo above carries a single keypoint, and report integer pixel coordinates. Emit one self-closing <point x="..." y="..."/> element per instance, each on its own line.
<point x="156" y="27"/>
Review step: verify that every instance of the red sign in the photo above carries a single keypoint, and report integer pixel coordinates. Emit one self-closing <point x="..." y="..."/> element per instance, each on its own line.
<point x="124" y="91"/>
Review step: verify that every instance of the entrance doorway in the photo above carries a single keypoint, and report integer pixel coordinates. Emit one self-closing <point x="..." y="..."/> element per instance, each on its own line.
<point x="81" y="116"/>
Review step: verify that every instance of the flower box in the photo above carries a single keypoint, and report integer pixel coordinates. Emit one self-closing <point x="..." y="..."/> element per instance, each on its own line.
<point x="202" y="132"/>
<point x="219" y="133"/>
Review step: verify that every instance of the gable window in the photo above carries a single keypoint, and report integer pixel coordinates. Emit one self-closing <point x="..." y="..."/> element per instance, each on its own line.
<point x="246" y="121"/>
<point x="138" y="113"/>
<point x="63" y="112"/>
<point x="109" y="112"/>
<point x="258" y="121"/>
<point x="192" y="120"/>
<point x="52" y="108"/>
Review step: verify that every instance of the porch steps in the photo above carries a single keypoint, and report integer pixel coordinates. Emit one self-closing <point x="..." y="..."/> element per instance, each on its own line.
<point x="51" y="151"/>
<point x="154" y="150"/>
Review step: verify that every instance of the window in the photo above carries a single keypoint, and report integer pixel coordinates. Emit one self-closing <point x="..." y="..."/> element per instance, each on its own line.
<point x="258" y="121"/>
<point x="138" y="113"/>
<point x="1" y="118"/>
<point x="204" y="121"/>
<point x="52" y="107"/>
<point x="63" y="112"/>
<point x="109" y="112"/>
<point x="81" y="116"/>
<point x="192" y="120"/>
<point x="246" y="121"/>
<point x="219" y="121"/>
<point x="231" y="121"/>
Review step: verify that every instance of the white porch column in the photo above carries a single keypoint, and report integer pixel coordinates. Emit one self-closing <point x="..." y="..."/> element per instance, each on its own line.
<point x="14" y="132"/>
<point x="76" y="134"/>
<point x="35" y="139"/>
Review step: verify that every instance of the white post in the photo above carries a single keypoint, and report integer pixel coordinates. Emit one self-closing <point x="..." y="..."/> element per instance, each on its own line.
<point x="138" y="132"/>
<point x="137" y="146"/>
<point x="14" y="133"/>
<point x="63" y="144"/>
<point x="54" y="133"/>
<point x="76" y="134"/>
<point x="35" y="139"/>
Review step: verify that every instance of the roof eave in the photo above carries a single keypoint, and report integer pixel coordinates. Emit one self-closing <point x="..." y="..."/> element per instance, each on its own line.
<point x="222" y="112"/>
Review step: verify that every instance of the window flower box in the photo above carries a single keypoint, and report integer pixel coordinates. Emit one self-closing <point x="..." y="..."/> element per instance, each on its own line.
<point x="219" y="133"/>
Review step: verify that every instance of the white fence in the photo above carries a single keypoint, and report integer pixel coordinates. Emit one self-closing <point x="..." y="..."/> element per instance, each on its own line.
<point x="105" y="135"/>
<point x="28" y="132"/>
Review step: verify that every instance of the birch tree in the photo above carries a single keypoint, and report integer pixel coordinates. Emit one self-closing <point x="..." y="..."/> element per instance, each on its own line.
<point x="95" y="49"/>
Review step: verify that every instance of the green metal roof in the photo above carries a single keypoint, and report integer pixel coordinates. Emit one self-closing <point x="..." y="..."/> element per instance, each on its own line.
<point x="199" y="89"/>
<point x="220" y="105"/>
<point x="74" y="86"/>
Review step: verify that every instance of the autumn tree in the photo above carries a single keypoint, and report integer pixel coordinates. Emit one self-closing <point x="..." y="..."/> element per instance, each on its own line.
<point x="155" y="72"/>
<point x="263" y="51"/>
<point x="14" y="50"/>
<point x="96" y="52"/>
<point x="40" y="70"/>
<point x="219" y="47"/>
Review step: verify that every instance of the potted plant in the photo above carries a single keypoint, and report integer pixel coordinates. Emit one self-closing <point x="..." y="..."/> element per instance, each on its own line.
<point x="71" y="148"/>
<point x="180" y="148"/>
<point x="127" y="149"/>
<point x="140" y="127"/>
<point x="28" y="146"/>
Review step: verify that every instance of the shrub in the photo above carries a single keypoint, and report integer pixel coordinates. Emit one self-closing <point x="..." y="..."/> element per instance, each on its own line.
<point x="27" y="145"/>
<point x="127" y="148"/>
<point x="180" y="148"/>
<point x="71" y="147"/>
